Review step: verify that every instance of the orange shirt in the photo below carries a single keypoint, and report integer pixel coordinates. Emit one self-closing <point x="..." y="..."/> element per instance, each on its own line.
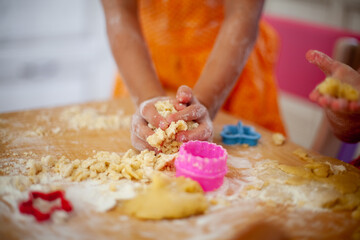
<point x="180" y="36"/>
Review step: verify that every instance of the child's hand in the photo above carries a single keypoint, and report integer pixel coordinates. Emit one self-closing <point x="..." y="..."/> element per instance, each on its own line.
<point x="190" y="109"/>
<point x="339" y="71"/>
<point x="343" y="115"/>
<point x="145" y="114"/>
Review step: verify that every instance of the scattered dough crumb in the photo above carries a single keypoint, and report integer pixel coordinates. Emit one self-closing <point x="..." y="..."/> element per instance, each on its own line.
<point x="48" y="161"/>
<point x="33" y="167"/>
<point x="278" y="139"/>
<point x="104" y="165"/>
<point x="168" y="198"/>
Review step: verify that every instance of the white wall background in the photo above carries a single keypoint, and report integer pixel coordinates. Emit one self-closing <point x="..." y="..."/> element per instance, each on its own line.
<point x="55" y="52"/>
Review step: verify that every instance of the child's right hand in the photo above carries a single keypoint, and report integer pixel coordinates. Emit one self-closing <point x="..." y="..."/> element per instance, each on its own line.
<point x="190" y="109"/>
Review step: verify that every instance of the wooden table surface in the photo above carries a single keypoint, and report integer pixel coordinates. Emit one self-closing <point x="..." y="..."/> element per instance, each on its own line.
<point x="37" y="133"/>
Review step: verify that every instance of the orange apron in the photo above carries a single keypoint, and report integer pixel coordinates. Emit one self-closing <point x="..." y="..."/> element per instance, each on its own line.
<point x="180" y="36"/>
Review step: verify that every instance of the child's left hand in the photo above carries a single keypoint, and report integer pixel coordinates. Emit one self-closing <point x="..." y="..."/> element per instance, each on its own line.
<point x="190" y="109"/>
<point x="339" y="71"/>
<point x="343" y="115"/>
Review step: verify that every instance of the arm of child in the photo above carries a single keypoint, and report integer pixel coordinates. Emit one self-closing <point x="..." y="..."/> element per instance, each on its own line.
<point x="130" y="50"/>
<point x="135" y="66"/>
<point x="343" y="115"/>
<point x="233" y="44"/>
<point x="232" y="47"/>
<point x="132" y="56"/>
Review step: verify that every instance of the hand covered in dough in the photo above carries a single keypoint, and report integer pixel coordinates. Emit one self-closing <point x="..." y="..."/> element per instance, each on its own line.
<point x="145" y="114"/>
<point x="343" y="114"/>
<point x="190" y="109"/>
<point x="339" y="71"/>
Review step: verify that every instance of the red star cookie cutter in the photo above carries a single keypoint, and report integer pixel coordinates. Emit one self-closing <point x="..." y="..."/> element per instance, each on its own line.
<point x="27" y="207"/>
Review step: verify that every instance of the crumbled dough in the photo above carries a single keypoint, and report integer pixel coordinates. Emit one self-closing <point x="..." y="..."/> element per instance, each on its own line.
<point x="168" y="198"/>
<point x="335" y="88"/>
<point x="34" y="167"/>
<point x="48" y="161"/>
<point x="21" y="183"/>
<point x="91" y="119"/>
<point x="165" y="140"/>
<point x="104" y="165"/>
<point x="278" y="139"/>
<point x="165" y="108"/>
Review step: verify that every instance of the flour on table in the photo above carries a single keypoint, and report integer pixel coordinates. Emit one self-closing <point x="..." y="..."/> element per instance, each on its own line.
<point x="315" y="185"/>
<point x="37" y="132"/>
<point x="92" y="119"/>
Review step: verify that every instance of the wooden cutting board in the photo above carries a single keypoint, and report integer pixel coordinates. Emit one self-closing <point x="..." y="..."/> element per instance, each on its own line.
<point x="37" y="133"/>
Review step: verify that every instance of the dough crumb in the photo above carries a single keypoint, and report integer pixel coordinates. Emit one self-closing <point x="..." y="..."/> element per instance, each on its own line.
<point x="33" y="167"/>
<point x="165" y="108"/>
<point x="168" y="198"/>
<point x="338" y="89"/>
<point x="278" y="139"/>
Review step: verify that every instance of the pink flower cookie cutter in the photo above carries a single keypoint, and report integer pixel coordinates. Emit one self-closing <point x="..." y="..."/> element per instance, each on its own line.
<point x="203" y="162"/>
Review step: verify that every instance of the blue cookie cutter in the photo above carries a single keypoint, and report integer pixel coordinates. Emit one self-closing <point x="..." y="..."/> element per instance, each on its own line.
<point x="239" y="134"/>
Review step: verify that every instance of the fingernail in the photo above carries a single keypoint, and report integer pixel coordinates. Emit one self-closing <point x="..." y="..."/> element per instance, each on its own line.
<point x="163" y="124"/>
<point x="182" y="138"/>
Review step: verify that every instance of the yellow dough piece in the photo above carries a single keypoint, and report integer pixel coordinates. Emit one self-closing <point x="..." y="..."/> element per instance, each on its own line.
<point x="278" y="139"/>
<point x="335" y="88"/>
<point x="168" y="198"/>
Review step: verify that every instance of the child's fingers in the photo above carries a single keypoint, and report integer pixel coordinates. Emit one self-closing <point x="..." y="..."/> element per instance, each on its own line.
<point x="192" y="112"/>
<point x="323" y="61"/>
<point x="152" y="116"/>
<point x="179" y="106"/>
<point x="354" y="106"/>
<point x="314" y="95"/>
<point x="339" y="104"/>
<point x="140" y="144"/>
<point x="184" y="94"/>
<point x="139" y="127"/>
<point x="324" y="100"/>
